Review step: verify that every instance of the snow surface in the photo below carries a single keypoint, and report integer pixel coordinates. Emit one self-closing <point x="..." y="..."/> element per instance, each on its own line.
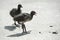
<point x="48" y="14"/>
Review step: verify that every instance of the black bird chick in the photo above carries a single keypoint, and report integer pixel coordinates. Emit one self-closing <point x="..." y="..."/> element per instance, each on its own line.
<point x="16" y="11"/>
<point x="24" y="17"/>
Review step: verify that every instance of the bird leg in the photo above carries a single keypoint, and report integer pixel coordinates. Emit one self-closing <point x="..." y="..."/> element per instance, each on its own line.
<point x="24" y="28"/>
<point x="15" y="24"/>
<point x="19" y="22"/>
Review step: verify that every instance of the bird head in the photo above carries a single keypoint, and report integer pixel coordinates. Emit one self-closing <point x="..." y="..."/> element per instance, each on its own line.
<point x="20" y="6"/>
<point x="33" y="12"/>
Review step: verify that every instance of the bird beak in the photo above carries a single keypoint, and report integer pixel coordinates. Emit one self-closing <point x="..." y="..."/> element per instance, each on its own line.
<point x="35" y="14"/>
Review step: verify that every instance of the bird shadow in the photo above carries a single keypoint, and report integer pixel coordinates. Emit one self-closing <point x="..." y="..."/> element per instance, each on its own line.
<point x="19" y="34"/>
<point x="10" y="28"/>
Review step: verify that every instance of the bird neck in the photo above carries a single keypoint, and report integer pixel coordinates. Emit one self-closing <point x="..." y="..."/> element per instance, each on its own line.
<point x="31" y="16"/>
<point x="19" y="9"/>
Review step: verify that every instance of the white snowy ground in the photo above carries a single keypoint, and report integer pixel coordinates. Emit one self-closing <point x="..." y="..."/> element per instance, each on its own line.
<point x="48" y="14"/>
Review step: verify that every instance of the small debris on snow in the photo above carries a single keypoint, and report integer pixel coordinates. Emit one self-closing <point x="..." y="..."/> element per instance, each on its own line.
<point x="54" y="32"/>
<point x="49" y="32"/>
<point x="51" y="26"/>
<point x="39" y="32"/>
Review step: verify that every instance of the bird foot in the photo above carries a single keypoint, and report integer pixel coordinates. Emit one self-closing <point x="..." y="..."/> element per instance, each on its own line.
<point x="24" y="32"/>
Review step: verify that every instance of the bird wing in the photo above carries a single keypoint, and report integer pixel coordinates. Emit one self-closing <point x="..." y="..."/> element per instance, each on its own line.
<point x="23" y="15"/>
<point x="26" y="16"/>
<point x="12" y="12"/>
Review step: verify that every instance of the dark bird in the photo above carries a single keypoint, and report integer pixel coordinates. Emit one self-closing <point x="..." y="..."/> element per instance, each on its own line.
<point x="16" y="11"/>
<point x="24" y="17"/>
